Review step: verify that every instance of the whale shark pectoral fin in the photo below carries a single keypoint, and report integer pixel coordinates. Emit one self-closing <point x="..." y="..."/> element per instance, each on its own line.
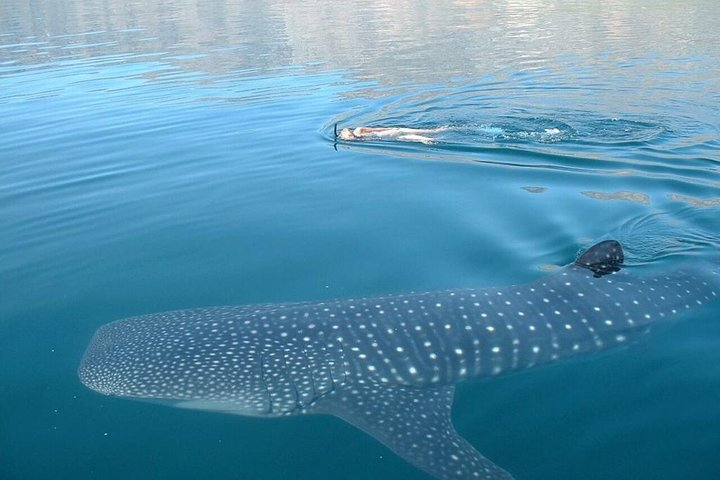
<point x="415" y="424"/>
<point x="602" y="258"/>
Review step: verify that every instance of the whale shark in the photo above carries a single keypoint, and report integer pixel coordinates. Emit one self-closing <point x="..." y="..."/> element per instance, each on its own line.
<point x="388" y="364"/>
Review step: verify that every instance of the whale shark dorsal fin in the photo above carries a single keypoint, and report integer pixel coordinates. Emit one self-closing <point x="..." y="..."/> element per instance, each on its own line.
<point x="414" y="423"/>
<point x="602" y="258"/>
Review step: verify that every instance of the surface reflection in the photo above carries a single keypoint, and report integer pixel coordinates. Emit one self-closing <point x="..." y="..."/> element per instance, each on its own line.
<point x="437" y="41"/>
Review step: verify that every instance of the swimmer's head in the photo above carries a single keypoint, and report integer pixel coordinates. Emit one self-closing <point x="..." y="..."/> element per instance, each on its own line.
<point x="347" y="134"/>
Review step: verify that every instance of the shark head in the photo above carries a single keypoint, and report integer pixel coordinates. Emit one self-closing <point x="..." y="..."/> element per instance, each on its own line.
<point x="186" y="361"/>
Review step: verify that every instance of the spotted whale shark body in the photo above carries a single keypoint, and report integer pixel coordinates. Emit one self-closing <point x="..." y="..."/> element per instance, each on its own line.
<point x="387" y="365"/>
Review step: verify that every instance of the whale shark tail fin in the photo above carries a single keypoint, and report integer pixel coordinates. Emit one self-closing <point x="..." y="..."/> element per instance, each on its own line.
<point x="602" y="258"/>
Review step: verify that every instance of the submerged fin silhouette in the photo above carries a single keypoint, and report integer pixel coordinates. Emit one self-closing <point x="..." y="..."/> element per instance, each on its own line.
<point x="415" y="424"/>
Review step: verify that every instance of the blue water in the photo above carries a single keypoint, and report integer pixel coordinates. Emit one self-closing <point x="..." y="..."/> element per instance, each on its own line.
<point x="156" y="156"/>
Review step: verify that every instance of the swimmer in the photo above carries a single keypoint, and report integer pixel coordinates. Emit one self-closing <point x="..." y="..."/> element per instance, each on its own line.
<point x="389" y="133"/>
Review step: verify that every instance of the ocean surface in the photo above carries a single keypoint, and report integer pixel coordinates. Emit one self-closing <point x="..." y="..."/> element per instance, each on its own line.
<point x="172" y="154"/>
